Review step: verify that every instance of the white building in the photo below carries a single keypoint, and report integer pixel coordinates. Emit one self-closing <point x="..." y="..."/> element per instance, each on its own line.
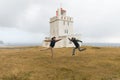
<point x="61" y="26"/>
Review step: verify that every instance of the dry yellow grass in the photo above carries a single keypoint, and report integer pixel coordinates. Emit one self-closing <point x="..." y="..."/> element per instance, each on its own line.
<point x="32" y="64"/>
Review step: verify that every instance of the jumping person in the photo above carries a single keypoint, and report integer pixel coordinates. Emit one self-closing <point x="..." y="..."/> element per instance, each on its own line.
<point x="52" y="44"/>
<point x="77" y="46"/>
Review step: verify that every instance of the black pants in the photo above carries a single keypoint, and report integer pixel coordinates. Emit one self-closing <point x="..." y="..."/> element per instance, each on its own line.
<point x="74" y="50"/>
<point x="80" y="49"/>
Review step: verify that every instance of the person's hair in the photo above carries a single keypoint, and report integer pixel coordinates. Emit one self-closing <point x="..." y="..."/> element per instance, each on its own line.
<point x="73" y="38"/>
<point x="53" y="38"/>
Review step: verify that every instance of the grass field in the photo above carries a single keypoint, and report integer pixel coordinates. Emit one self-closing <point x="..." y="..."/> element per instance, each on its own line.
<point x="96" y="63"/>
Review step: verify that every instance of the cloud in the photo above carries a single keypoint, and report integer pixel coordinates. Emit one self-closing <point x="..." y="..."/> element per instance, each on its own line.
<point x="97" y="21"/>
<point x="9" y="11"/>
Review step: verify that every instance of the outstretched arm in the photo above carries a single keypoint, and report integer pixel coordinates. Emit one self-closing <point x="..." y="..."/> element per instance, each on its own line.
<point x="69" y="39"/>
<point x="47" y="40"/>
<point x="58" y="40"/>
<point x="79" y="41"/>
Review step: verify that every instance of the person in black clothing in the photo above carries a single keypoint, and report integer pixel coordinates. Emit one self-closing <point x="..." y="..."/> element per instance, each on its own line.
<point x="77" y="46"/>
<point x="52" y="44"/>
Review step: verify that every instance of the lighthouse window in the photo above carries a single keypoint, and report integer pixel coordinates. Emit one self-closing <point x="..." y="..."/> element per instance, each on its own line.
<point x="68" y="23"/>
<point x="66" y="31"/>
<point x="63" y="22"/>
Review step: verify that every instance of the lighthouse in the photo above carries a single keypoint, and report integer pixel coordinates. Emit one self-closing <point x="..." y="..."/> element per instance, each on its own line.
<point x="61" y="26"/>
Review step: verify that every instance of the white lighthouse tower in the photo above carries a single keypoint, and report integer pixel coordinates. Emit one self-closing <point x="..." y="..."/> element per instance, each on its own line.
<point x="61" y="26"/>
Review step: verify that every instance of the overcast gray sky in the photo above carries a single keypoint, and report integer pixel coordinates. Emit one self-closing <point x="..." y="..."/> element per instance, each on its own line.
<point x="28" y="20"/>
